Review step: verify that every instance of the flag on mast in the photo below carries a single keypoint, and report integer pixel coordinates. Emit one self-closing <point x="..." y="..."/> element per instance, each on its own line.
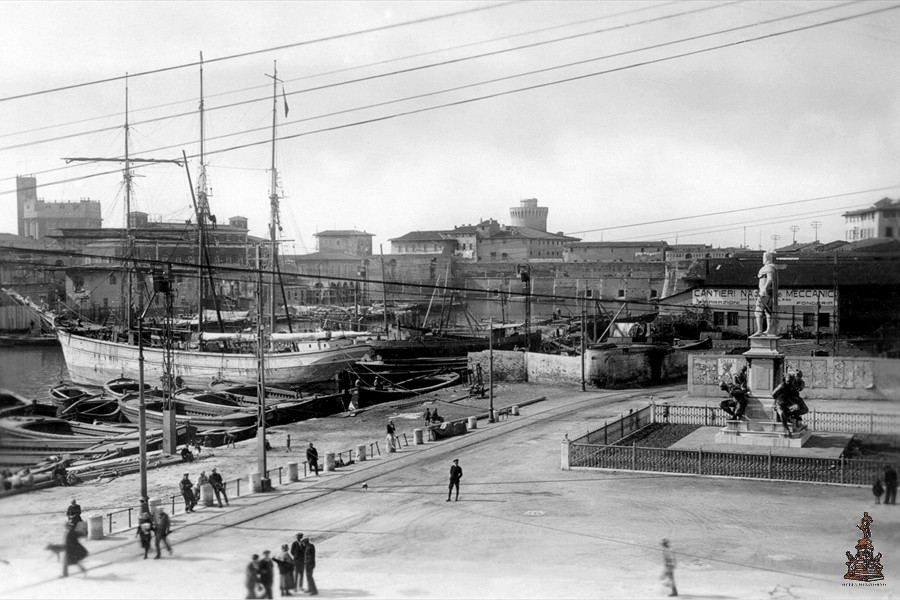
<point x="284" y="97"/>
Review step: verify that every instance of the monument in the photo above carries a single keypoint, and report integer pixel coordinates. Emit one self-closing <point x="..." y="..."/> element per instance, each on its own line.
<point x="865" y="566"/>
<point x="760" y="425"/>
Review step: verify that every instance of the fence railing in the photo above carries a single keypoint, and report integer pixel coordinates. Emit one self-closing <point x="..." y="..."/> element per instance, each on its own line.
<point x="816" y="420"/>
<point x="624" y="426"/>
<point x="703" y="462"/>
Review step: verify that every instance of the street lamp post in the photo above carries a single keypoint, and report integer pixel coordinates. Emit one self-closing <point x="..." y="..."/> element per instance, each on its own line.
<point x="491" y="369"/>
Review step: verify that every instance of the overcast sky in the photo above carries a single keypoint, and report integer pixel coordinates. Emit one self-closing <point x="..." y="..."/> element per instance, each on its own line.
<point x="639" y="137"/>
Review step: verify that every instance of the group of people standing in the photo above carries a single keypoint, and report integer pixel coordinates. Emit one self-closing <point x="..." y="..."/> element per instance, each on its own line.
<point x="191" y="492"/>
<point x="294" y="562"/>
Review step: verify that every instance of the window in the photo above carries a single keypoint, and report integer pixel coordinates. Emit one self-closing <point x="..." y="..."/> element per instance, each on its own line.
<point x="653" y="293"/>
<point x="494" y="255"/>
<point x="888" y="232"/>
<point x="718" y="318"/>
<point x="809" y="319"/>
<point x="588" y="293"/>
<point x="112" y="278"/>
<point x="621" y="293"/>
<point x="504" y="256"/>
<point x="732" y="317"/>
<point x="824" y="319"/>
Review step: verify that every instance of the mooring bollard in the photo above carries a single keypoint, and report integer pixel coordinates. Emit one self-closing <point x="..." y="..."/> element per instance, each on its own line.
<point x="418" y="438"/>
<point x="329" y="462"/>
<point x="206" y="495"/>
<point x="155" y="505"/>
<point x="293" y="471"/>
<point x="473" y="422"/>
<point x="515" y="411"/>
<point x="95" y="527"/>
<point x="361" y="453"/>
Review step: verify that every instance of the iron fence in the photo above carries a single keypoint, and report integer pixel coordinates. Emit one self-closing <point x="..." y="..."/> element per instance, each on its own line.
<point x="620" y="428"/>
<point x="725" y="464"/>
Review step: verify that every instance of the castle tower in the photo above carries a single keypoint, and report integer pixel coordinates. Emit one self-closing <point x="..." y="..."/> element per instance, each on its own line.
<point x="26" y="192"/>
<point x="529" y="214"/>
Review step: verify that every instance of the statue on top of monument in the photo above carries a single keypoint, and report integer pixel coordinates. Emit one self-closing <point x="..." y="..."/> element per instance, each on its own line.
<point x="767" y="299"/>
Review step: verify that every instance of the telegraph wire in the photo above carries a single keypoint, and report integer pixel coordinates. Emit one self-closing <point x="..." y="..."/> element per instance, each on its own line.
<point x="347" y="69"/>
<point x="401" y="72"/>
<point x="502" y="93"/>
<point x="265" y="50"/>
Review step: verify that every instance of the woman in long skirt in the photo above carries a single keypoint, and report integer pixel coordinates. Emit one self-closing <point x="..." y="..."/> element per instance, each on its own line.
<point x="285" y="564"/>
<point x="75" y="552"/>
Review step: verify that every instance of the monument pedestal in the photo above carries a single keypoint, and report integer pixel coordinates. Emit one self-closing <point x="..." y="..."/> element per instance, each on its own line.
<point x="761" y="426"/>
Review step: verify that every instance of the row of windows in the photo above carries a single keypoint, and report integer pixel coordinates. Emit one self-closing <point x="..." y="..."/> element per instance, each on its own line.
<point x="730" y="319"/>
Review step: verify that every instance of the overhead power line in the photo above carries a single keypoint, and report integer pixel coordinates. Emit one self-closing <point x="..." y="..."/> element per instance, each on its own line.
<point x="265" y="50"/>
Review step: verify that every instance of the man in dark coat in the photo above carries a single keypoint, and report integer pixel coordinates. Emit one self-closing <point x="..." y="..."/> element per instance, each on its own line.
<point x="74" y="512"/>
<point x="297" y="552"/>
<point x="251" y="576"/>
<point x="266" y="573"/>
<point x="312" y="457"/>
<point x="162" y="525"/>
<point x="890" y="485"/>
<point x="187" y="491"/>
<point x="215" y="480"/>
<point x="309" y="555"/>
<point x="145" y="532"/>
<point x="455" y="476"/>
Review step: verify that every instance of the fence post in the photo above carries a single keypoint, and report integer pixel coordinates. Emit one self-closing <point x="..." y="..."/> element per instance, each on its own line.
<point x="173" y="506"/>
<point x="604" y="433"/>
<point x="565" y="453"/>
<point x="377" y="448"/>
<point x="842" y="468"/>
<point x="706" y="414"/>
<point x="700" y="460"/>
<point x="621" y="427"/>
<point x="633" y="456"/>
<point x="769" y="466"/>
<point x="813" y="420"/>
<point x="238" y="481"/>
<point x="652" y="410"/>
<point x="129" y="510"/>
<point x="405" y="439"/>
<point x="279" y="475"/>
<point x="110" y="522"/>
<point x="871" y="421"/>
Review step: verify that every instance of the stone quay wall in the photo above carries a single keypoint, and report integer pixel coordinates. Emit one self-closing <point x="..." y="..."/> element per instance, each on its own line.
<point x="829" y="377"/>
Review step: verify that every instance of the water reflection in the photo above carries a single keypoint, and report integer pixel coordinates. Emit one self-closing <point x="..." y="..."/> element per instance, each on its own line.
<point x="32" y="370"/>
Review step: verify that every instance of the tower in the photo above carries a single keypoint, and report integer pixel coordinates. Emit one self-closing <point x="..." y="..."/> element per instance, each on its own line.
<point x="26" y="192"/>
<point x="529" y="214"/>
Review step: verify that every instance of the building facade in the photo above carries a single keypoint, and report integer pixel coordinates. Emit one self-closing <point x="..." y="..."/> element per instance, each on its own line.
<point x="345" y="241"/>
<point x="880" y="220"/>
<point x="37" y="218"/>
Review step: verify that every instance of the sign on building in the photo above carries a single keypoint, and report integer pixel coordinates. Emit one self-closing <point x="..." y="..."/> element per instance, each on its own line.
<point x="741" y="298"/>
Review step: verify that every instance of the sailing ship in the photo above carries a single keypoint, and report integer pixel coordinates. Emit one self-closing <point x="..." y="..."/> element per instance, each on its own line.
<point x="94" y="359"/>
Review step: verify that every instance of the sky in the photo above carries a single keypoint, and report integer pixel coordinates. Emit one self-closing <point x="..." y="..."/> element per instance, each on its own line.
<point x="689" y="122"/>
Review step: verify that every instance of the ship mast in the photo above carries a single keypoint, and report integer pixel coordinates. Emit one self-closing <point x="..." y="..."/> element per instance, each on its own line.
<point x="273" y="203"/>
<point x="203" y="208"/>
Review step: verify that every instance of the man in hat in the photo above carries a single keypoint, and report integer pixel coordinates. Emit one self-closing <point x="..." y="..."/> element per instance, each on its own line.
<point x="455" y="476"/>
<point x="215" y="480"/>
<point x="309" y="560"/>
<point x="298" y="554"/>
<point x="266" y="571"/>
<point x="312" y="458"/>
<point x="251" y="576"/>
<point x="187" y="491"/>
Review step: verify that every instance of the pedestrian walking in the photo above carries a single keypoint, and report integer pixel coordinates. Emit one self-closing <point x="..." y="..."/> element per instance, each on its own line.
<point x="427" y="417"/>
<point x="251" y="576"/>
<point x="145" y="532"/>
<point x="297" y="553"/>
<point x="668" y="575"/>
<point x="285" y="564"/>
<point x="391" y="433"/>
<point x="877" y="490"/>
<point x="187" y="492"/>
<point x="230" y="440"/>
<point x="162" y="525"/>
<point x="218" y="486"/>
<point x="288" y="443"/>
<point x="455" y="475"/>
<point x="890" y="485"/>
<point x="266" y="573"/>
<point x="73" y="512"/>
<point x="312" y="458"/>
<point x="74" y="551"/>
<point x="309" y="559"/>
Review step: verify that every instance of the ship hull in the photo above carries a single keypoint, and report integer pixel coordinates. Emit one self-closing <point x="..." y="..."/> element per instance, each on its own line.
<point x="94" y="362"/>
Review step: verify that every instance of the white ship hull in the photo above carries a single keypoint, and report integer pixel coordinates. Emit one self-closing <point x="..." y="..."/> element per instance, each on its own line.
<point x="95" y="362"/>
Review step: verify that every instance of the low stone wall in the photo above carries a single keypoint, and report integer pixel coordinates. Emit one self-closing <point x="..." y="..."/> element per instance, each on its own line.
<point x="827" y="377"/>
<point x="603" y="368"/>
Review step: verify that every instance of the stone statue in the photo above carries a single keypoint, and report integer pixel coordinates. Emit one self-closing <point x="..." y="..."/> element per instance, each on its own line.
<point x="767" y="299"/>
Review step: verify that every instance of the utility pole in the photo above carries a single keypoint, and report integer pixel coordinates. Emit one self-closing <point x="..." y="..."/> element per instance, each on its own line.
<point x="775" y="239"/>
<point x="384" y="290"/>
<point x="794" y="229"/>
<point x="491" y="369"/>
<point x="816" y="225"/>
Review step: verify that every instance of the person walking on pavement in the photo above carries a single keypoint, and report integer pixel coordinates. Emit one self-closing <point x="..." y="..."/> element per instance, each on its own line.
<point x="288" y="443"/>
<point x="312" y="457"/>
<point x="668" y="576"/>
<point x="890" y="485"/>
<point x="187" y="492"/>
<point x="297" y="553"/>
<point x="266" y="573"/>
<point x="392" y="438"/>
<point x="309" y="559"/>
<point x="73" y="512"/>
<point x="145" y="532"/>
<point x="877" y="490"/>
<point x="285" y="564"/>
<point x="162" y="525"/>
<point x="251" y="576"/>
<point x="218" y="486"/>
<point x="455" y="476"/>
<point x="74" y="551"/>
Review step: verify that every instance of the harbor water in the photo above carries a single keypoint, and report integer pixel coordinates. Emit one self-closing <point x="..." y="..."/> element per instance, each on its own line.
<point x="32" y="370"/>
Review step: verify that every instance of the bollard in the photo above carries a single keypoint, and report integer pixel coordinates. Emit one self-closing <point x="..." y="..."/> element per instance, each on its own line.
<point x="95" y="527"/>
<point x="390" y="444"/>
<point x="361" y="453"/>
<point x="206" y="495"/>
<point x="494" y="416"/>
<point x="473" y="422"/>
<point x="515" y="411"/>
<point x="293" y="471"/>
<point x="417" y="437"/>
<point x="155" y="505"/>
<point x="329" y="462"/>
<point x="255" y="481"/>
